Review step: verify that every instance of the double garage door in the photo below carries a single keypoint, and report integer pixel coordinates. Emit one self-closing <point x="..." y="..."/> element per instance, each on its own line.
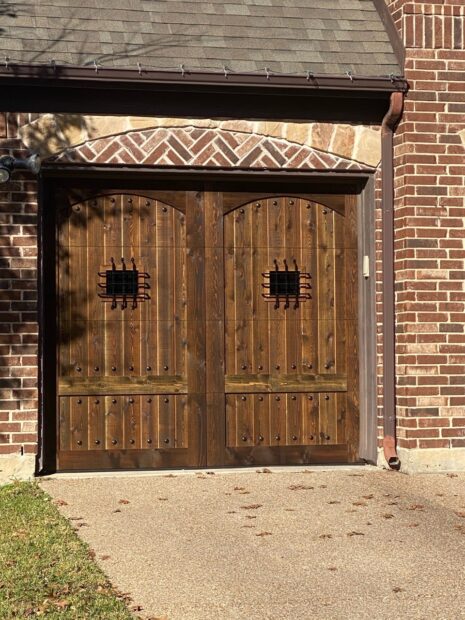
<point x="205" y="328"/>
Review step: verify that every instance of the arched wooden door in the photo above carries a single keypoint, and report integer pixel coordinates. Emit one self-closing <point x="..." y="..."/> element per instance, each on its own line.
<point x="206" y="329"/>
<point x="291" y="353"/>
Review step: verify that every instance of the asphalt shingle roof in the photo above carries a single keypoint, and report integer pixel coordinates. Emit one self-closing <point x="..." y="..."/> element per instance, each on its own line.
<point x="289" y="36"/>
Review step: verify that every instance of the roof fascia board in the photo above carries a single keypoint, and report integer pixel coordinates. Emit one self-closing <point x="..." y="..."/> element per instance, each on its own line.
<point x="85" y="90"/>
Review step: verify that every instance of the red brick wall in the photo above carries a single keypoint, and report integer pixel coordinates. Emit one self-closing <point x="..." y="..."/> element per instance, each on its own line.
<point x="430" y="226"/>
<point x="18" y="295"/>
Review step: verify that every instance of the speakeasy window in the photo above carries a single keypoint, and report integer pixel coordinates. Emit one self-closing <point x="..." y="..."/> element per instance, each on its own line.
<point x="123" y="284"/>
<point x="120" y="283"/>
<point x="284" y="285"/>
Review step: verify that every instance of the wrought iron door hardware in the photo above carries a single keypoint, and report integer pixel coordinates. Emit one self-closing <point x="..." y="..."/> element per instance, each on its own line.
<point x="284" y="285"/>
<point x="124" y="283"/>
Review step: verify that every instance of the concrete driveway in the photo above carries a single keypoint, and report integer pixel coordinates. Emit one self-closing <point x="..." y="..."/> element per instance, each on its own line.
<point x="293" y="544"/>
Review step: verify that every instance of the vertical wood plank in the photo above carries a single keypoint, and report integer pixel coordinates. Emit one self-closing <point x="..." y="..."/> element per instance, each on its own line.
<point x="261" y="406"/>
<point x="96" y="423"/>
<point x="277" y="405"/>
<point x="79" y="423"/>
<point x="294" y="422"/>
<point x="245" y="432"/>
<point x="149" y="421"/>
<point x="326" y="284"/>
<point x="260" y="327"/>
<point x="196" y="346"/>
<point x="215" y="325"/>
<point x="132" y="422"/>
<point x="311" y="422"/>
<point x="276" y="316"/>
<point x="181" y="439"/>
<point x="64" y="424"/>
<point x="165" y="289"/>
<point x="114" y="439"/>
<point x="231" y="420"/>
<point x="166" y="421"/>
<point x="353" y="400"/>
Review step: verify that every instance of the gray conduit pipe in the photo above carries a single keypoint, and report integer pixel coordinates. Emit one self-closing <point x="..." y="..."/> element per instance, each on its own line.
<point x="388" y="127"/>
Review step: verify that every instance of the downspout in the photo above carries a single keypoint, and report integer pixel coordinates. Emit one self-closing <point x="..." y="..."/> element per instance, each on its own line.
<point x="388" y="127"/>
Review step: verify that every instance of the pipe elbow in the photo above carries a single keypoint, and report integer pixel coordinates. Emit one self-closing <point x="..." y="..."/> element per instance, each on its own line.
<point x="390" y="452"/>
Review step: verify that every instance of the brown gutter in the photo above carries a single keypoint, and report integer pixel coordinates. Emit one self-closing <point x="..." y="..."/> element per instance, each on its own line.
<point x="51" y="72"/>
<point x="388" y="127"/>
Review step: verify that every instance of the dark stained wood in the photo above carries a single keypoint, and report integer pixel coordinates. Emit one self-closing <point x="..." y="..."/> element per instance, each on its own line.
<point x="285" y="383"/>
<point x="283" y="455"/>
<point x="196" y="345"/>
<point x="214" y="327"/>
<point x="233" y="200"/>
<point x="353" y="399"/>
<point x="287" y="368"/>
<point x="207" y="372"/>
<point x="170" y="384"/>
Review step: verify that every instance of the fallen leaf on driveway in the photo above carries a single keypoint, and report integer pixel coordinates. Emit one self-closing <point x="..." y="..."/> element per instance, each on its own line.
<point x="60" y="502"/>
<point x="104" y="557"/>
<point x="162" y="499"/>
<point x="397" y="589"/>
<point x="332" y="568"/>
<point x="300" y="487"/>
<point x="334" y="501"/>
<point x="370" y="496"/>
<point x="123" y="501"/>
<point x="359" y="503"/>
<point x="325" y="536"/>
<point x="263" y="534"/>
<point x="252" y="506"/>
<point x="117" y="510"/>
<point x="388" y="515"/>
<point x="416" y="507"/>
<point x="460" y="514"/>
<point x="354" y="533"/>
<point x="250" y="516"/>
<point x="239" y="488"/>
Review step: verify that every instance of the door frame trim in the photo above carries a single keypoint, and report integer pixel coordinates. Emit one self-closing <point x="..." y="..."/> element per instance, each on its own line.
<point x="55" y="180"/>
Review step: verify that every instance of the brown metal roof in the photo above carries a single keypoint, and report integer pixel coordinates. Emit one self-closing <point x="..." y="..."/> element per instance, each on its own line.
<point x="285" y="36"/>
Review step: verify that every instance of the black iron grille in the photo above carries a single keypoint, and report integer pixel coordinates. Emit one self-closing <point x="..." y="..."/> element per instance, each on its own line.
<point x="121" y="283"/>
<point x="285" y="283"/>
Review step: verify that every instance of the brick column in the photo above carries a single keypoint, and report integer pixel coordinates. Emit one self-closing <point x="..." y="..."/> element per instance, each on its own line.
<point x="430" y="230"/>
<point x="18" y="305"/>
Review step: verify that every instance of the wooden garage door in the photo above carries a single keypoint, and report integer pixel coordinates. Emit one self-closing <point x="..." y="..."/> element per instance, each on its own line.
<point x="206" y="329"/>
<point x="291" y="373"/>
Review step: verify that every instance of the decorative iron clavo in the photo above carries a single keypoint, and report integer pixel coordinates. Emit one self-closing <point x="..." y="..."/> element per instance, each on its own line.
<point x="285" y="285"/>
<point x="124" y="283"/>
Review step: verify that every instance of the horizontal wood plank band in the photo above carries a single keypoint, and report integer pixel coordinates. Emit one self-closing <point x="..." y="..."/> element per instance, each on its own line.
<point x="121" y="385"/>
<point x="287" y="455"/>
<point x="90" y="460"/>
<point x="236" y="384"/>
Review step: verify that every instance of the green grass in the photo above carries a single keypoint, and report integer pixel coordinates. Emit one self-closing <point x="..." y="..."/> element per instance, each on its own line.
<point x="45" y="569"/>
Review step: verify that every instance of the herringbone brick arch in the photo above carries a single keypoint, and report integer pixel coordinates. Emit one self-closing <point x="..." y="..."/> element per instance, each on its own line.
<point x="213" y="148"/>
